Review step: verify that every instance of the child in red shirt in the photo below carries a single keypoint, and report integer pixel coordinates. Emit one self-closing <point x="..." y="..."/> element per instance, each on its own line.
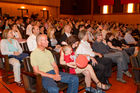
<point x="69" y="58"/>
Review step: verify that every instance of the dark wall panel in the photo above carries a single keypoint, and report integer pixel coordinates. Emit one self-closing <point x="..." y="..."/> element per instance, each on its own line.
<point x="96" y="7"/>
<point x="75" y="7"/>
<point x="117" y="7"/>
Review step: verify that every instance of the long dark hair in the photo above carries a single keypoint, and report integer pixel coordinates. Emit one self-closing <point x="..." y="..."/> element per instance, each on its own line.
<point x="71" y="40"/>
<point x="108" y="35"/>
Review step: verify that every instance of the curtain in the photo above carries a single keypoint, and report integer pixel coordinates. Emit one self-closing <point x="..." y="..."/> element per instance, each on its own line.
<point x="105" y="2"/>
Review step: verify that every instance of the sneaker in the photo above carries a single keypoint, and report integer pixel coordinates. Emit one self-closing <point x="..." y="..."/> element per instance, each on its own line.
<point x="127" y="73"/>
<point x="121" y="80"/>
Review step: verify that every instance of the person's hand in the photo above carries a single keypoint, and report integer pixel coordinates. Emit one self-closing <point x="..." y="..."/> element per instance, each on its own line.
<point x="57" y="46"/>
<point x="16" y="53"/>
<point x="94" y="62"/>
<point x="72" y="64"/>
<point x="56" y="77"/>
<point x="119" y="48"/>
<point x="100" y="55"/>
<point x="64" y="43"/>
<point x="50" y="48"/>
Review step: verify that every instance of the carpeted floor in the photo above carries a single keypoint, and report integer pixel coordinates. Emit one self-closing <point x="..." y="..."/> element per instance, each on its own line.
<point x="117" y="87"/>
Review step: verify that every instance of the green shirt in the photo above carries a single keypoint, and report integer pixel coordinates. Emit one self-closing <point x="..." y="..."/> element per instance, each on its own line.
<point x="42" y="59"/>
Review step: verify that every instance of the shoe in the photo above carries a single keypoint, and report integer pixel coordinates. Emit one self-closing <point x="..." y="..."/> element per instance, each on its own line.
<point x="108" y="83"/>
<point x="93" y="90"/>
<point x="102" y="86"/>
<point x="90" y="90"/>
<point x="121" y="80"/>
<point x="20" y="84"/>
<point x="127" y="73"/>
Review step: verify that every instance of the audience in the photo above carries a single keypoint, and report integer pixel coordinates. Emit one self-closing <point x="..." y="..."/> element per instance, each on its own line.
<point x="118" y="57"/>
<point x="88" y="71"/>
<point x="111" y="42"/>
<point x="43" y="63"/>
<point x="101" y="65"/>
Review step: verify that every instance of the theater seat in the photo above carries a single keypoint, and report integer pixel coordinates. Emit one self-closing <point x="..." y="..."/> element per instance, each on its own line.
<point x="33" y="82"/>
<point x="135" y="61"/>
<point x="7" y="72"/>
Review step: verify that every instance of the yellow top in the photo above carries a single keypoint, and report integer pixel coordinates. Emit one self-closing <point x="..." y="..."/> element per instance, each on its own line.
<point x="42" y="59"/>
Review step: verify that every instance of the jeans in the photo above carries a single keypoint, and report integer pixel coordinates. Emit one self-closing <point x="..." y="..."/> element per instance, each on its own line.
<point x="121" y="60"/>
<point x="51" y="86"/>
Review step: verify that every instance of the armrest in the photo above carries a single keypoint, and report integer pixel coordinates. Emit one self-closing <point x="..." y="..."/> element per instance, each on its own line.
<point x="6" y="62"/>
<point x="31" y="74"/>
<point x="38" y="80"/>
<point x="135" y="68"/>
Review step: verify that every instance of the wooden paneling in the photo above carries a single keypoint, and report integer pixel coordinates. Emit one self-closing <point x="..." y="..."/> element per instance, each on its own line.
<point x="11" y="9"/>
<point x="55" y="3"/>
<point x="123" y="18"/>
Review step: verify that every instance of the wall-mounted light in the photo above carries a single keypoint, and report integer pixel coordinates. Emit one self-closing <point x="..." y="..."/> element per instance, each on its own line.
<point x="105" y="9"/>
<point x="130" y="8"/>
<point x="22" y="7"/>
<point x="44" y="9"/>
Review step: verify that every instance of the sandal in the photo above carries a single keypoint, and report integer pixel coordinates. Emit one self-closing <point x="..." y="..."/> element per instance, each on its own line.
<point x="20" y="84"/>
<point x="102" y="86"/>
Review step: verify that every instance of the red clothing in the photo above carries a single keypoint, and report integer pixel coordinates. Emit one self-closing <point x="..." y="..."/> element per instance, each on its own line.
<point x="68" y="59"/>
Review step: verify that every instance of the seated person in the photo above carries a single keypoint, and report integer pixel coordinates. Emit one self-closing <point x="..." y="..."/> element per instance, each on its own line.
<point x="88" y="72"/>
<point x="53" y="43"/>
<point x="113" y="43"/>
<point x="102" y="66"/>
<point x="31" y="41"/>
<point x="67" y="33"/>
<point x="129" y="38"/>
<point x="118" y="57"/>
<point x="17" y="34"/>
<point x="11" y="47"/>
<point x="43" y="63"/>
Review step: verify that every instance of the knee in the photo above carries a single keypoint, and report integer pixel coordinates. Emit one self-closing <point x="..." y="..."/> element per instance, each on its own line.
<point x="101" y="67"/>
<point x="87" y="73"/>
<point x="53" y="90"/>
<point x="17" y="64"/>
<point x="14" y="62"/>
<point x="75" y="79"/>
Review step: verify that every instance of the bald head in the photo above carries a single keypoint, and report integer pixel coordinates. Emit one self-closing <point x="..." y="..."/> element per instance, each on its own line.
<point x="36" y="30"/>
<point x="42" y="40"/>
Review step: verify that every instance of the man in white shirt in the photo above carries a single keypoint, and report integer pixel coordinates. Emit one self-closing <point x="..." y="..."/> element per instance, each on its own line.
<point x="31" y="41"/>
<point x="29" y="28"/>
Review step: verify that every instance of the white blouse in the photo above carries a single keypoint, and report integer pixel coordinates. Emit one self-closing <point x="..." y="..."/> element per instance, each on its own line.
<point x="85" y="48"/>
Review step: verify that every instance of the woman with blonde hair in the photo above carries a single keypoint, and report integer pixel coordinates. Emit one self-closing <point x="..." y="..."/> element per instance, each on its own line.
<point x="53" y="43"/>
<point x="11" y="47"/>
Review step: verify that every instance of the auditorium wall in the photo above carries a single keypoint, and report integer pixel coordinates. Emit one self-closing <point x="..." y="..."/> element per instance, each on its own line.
<point x="12" y="9"/>
<point x="123" y="18"/>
